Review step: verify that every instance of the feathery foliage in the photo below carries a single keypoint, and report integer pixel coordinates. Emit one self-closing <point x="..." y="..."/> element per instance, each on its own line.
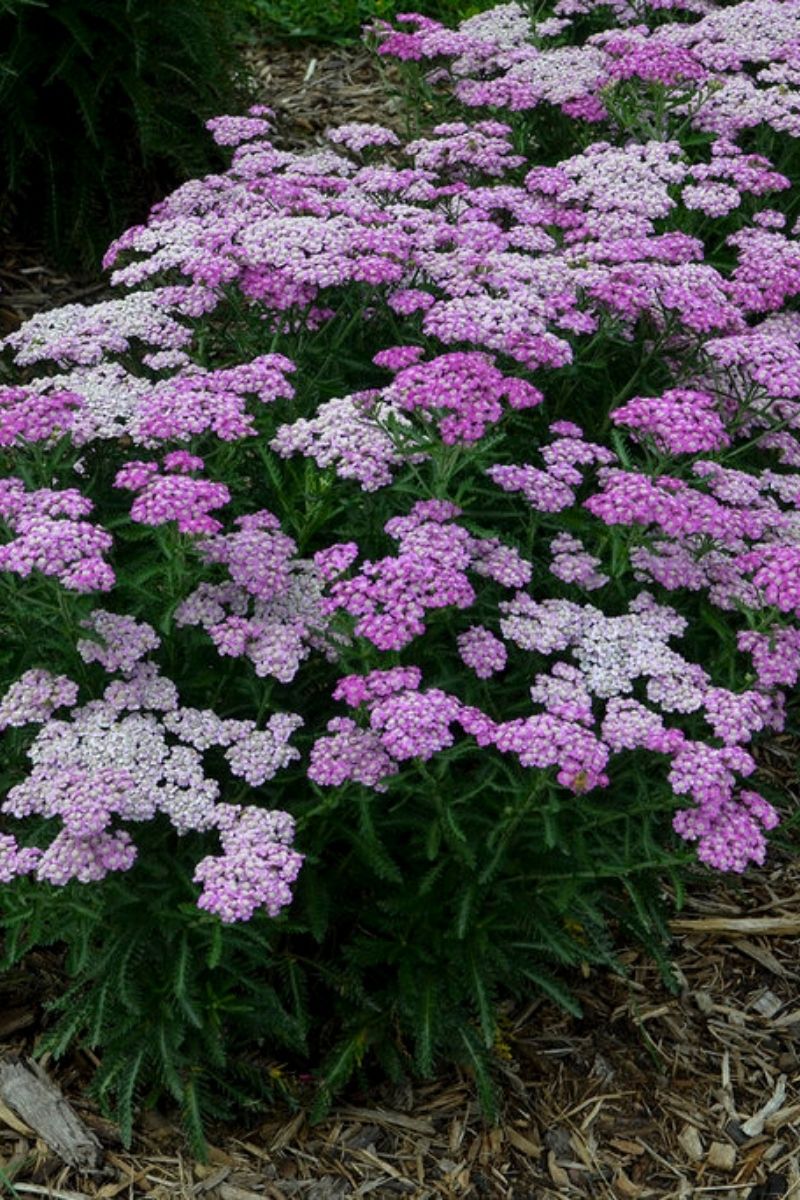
<point x="103" y="104"/>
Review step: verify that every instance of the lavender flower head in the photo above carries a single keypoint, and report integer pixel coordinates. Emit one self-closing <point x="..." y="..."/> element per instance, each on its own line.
<point x="135" y="754"/>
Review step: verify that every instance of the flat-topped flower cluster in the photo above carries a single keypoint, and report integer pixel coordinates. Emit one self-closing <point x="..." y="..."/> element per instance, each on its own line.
<point x="495" y="444"/>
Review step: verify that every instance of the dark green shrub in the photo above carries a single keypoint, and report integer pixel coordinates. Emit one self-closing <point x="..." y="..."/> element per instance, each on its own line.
<point x="103" y="104"/>
<point x="341" y="20"/>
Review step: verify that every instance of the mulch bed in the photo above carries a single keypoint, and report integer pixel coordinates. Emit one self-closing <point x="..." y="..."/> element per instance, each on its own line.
<point x="650" y="1094"/>
<point x="312" y="87"/>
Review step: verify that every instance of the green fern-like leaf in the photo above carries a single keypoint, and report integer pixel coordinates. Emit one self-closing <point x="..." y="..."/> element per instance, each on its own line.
<point x="104" y="102"/>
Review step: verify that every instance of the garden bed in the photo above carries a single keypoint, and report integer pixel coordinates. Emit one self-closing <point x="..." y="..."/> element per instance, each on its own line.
<point x="650" y="1093"/>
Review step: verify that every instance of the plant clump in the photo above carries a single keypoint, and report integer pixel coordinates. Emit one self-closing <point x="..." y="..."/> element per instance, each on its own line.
<point x="415" y="555"/>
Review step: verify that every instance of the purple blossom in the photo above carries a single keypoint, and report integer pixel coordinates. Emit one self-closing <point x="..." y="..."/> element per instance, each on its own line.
<point x="629" y="725"/>
<point x="50" y="537"/>
<point x="258" y="755"/>
<point x="545" y="741"/>
<point x="415" y="724"/>
<point x="669" y="504"/>
<point x="174" y="496"/>
<point x="542" y="490"/>
<point x="776" y="573"/>
<point x="258" y="556"/>
<point x="82" y="335"/>
<point x="256" y="868"/>
<point x="87" y="860"/>
<point x="276" y="634"/>
<point x="405" y="723"/>
<point x="34" y="697"/>
<point x="121" y="643"/>
<point x="573" y="564"/>
<point x="390" y="597"/>
<point x="776" y="655"/>
<point x="396" y="357"/>
<point x="652" y="61"/>
<point x="736" y="717"/>
<point x="194" y="401"/>
<point x="564" y="694"/>
<point x="464" y="392"/>
<point x="350" y="753"/>
<point x="681" y="421"/>
<point x="142" y="688"/>
<point x="359" y="135"/>
<point x="335" y="559"/>
<point x="116" y="760"/>
<point x="31" y="416"/>
<point x="232" y="131"/>
<point x="405" y="302"/>
<point x="457" y="148"/>
<point x="729" y="835"/>
<point x="377" y="685"/>
<point x="707" y="774"/>
<point x="14" y="860"/>
<point x="481" y="651"/>
<point x="352" y="434"/>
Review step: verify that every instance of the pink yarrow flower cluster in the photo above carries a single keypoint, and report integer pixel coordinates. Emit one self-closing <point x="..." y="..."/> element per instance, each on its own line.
<point x="464" y="392"/>
<point x="356" y="435"/>
<point x="50" y="536"/>
<point x="403" y="723"/>
<point x="137" y="753"/>
<point x="257" y="866"/>
<point x="172" y="493"/>
<point x="271" y="610"/>
<point x="390" y="598"/>
<point x="681" y="421"/>
<point x="34" y="697"/>
<point x="194" y="401"/>
<point x="29" y="416"/>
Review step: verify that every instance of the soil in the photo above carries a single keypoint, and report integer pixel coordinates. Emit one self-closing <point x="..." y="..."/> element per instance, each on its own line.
<point x="652" y="1093"/>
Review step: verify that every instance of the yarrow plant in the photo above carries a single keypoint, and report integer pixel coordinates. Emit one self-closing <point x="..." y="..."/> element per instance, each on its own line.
<point x="415" y="544"/>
